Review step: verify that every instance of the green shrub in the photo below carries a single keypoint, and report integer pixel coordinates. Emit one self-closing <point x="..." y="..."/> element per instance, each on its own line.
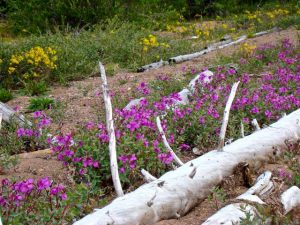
<point x="40" y="103"/>
<point x="5" y="95"/>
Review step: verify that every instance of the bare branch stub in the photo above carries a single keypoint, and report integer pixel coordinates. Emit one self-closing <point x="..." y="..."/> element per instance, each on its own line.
<point x="226" y="115"/>
<point x="111" y="131"/>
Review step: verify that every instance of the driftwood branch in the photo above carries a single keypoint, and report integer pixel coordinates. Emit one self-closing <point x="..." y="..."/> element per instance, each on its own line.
<point x="234" y="213"/>
<point x="226" y="115"/>
<point x="8" y="113"/>
<point x="166" y="143"/>
<point x="176" y="192"/>
<point x="227" y="41"/>
<point x="154" y="65"/>
<point x="111" y="132"/>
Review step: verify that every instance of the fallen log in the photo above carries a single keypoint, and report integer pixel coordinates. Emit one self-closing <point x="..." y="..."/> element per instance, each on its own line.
<point x="290" y="199"/>
<point x="225" y="42"/>
<point x="8" y="114"/>
<point x="154" y="65"/>
<point x="234" y="213"/>
<point x="176" y="192"/>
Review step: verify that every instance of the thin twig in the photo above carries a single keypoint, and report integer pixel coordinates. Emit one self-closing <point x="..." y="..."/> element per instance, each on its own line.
<point x="111" y="132"/>
<point x="165" y="141"/>
<point x="226" y="115"/>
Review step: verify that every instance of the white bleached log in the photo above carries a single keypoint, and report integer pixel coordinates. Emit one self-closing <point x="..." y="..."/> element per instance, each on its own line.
<point x="226" y="115"/>
<point x="8" y="113"/>
<point x="255" y="124"/>
<point x="261" y="33"/>
<point x="233" y="213"/>
<point x="134" y="102"/>
<point x="206" y="79"/>
<point x="111" y="132"/>
<point x="290" y="199"/>
<point x="175" y="193"/>
<point x="213" y="47"/>
<point x="227" y="41"/>
<point x="166" y="143"/>
<point x="147" y="176"/>
<point x="240" y="39"/>
<point x="154" y="65"/>
<point x="184" y="95"/>
<point x="183" y="58"/>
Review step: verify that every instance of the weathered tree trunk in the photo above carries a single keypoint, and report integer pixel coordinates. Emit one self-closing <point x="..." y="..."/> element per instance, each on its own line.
<point x="178" y="191"/>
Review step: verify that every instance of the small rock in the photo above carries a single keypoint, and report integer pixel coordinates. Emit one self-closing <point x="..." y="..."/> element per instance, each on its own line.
<point x="196" y="151"/>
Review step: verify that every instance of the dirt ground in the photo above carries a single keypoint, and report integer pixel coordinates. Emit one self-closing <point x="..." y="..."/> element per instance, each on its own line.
<point x="82" y="102"/>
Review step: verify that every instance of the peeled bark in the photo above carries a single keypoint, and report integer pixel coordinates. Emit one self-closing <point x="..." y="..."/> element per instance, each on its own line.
<point x="178" y="191"/>
<point x="8" y="114"/>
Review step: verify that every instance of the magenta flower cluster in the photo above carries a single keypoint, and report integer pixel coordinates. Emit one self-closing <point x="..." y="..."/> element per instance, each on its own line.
<point x="43" y="121"/>
<point x="14" y="194"/>
<point x="65" y="148"/>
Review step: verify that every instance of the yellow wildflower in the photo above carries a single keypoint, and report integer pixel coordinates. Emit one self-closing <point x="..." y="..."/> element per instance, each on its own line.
<point x="11" y="69"/>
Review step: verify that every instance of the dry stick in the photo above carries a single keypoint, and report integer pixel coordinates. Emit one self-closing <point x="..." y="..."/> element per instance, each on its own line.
<point x="255" y="124"/>
<point x="111" y="131"/>
<point x="147" y="176"/>
<point x="226" y="115"/>
<point x="165" y="141"/>
<point x="0" y="120"/>
<point x="242" y="130"/>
